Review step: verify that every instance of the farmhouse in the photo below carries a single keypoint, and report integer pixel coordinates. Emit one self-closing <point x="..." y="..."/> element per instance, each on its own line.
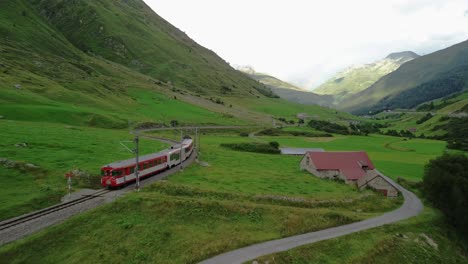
<point x="351" y="167"/>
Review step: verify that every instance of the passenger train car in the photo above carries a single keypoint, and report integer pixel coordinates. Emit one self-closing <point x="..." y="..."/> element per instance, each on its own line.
<point x="120" y="173"/>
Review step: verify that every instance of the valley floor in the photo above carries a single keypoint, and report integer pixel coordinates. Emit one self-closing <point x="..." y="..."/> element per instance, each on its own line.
<point x="240" y="198"/>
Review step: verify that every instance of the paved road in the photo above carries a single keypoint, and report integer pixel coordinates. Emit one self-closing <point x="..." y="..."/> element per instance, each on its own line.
<point x="412" y="206"/>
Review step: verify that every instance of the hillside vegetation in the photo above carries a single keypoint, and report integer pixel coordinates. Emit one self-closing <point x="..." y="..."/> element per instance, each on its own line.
<point x="444" y="118"/>
<point x="425" y="78"/>
<point x="113" y="64"/>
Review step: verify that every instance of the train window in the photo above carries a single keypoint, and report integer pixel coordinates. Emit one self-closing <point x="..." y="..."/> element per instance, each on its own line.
<point x="132" y="170"/>
<point x="103" y="172"/>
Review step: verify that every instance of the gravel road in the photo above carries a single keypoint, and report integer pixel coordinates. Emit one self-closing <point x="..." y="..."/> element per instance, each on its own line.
<point x="412" y="206"/>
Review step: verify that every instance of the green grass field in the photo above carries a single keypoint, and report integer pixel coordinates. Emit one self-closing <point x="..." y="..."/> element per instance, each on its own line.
<point x="393" y="156"/>
<point x="56" y="149"/>
<point x="241" y="198"/>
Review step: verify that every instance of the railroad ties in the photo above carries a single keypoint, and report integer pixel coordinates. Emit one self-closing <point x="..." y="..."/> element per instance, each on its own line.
<point x="41" y="213"/>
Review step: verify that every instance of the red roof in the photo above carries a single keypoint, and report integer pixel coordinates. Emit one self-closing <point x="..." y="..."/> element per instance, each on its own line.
<point x="348" y="163"/>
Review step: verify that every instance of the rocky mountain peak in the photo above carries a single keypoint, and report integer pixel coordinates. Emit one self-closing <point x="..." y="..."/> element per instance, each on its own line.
<point x="403" y="55"/>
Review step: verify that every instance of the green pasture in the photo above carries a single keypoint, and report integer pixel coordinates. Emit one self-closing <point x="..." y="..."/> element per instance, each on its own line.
<point x="255" y="173"/>
<point x="56" y="149"/>
<point x="239" y="199"/>
<point x="393" y="156"/>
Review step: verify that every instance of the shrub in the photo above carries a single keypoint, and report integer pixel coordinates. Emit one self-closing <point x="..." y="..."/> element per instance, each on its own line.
<point x="424" y="118"/>
<point x="244" y="134"/>
<point x="174" y="123"/>
<point x="274" y="144"/>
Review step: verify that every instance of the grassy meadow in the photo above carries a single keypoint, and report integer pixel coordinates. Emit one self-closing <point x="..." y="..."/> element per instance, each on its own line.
<point x="239" y="199"/>
<point x="393" y="156"/>
<point x="55" y="149"/>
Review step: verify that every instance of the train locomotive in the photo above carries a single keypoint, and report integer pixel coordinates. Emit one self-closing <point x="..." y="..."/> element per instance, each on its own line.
<point x="120" y="173"/>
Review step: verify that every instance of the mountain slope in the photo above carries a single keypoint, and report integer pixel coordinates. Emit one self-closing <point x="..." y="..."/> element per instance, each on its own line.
<point x="359" y="77"/>
<point x="45" y="77"/>
<point x="130" y="33"/>
<point x="425" y="78"/>
<point x="286" y="90"/>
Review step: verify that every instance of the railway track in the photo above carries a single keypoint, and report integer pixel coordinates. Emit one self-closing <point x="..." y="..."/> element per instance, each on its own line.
<point x="41" y="213"/>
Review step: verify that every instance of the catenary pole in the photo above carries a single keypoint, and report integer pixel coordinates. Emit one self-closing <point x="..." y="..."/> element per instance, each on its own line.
<point x="137" y="166"/>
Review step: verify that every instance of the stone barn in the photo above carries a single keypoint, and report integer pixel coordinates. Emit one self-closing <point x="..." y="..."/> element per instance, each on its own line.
<point x="376" y="181"/>
<point x="351" y="167"/>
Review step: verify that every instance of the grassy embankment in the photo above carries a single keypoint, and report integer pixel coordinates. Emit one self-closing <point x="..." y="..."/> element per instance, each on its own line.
<point x="240" y="199"/>
<point x="423" y="239"/>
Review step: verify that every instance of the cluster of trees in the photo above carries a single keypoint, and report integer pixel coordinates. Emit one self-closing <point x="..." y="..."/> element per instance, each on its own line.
<point x="445" y="184"/>
<point x="329" y="127"/>
<point x="291" y="122"/>
<point x="402" y="133"/>
<point x="424" y="118"/>
<point x="279" y="132"/>
<point x="364" y="128"/>
<point x="457" y="133"/>
<point x="270" y="148"/>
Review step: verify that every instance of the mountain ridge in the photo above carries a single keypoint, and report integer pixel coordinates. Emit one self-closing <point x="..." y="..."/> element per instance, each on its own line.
<point x="286" y="90"/>
<point x="359" y="77"/>
<point x="434" y="71"/>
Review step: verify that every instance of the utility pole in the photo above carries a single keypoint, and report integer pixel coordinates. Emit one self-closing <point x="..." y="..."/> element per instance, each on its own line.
<point x="196" y="143"/>
<point x="198" y="140"/>
<point x="180" y="151"/>
<point x="136" y="167"/>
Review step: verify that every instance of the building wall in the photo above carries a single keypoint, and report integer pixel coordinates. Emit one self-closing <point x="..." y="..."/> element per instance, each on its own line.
<point x="310" y="167"/>
<point x="379" y="183"/>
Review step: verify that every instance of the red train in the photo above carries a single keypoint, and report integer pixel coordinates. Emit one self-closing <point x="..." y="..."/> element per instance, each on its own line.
<point x="120" y="173"/>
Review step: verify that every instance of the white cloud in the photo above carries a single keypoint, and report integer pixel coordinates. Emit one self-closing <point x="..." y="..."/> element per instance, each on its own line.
<point x="305" y="41"/>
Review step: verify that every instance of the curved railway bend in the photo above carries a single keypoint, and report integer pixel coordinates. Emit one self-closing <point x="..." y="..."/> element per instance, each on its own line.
<point x="412" y="206"/>
<point x="21" y="226"/>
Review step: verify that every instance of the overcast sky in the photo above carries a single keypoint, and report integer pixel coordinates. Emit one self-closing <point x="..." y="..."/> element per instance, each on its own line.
<point x="307" y="41"/>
